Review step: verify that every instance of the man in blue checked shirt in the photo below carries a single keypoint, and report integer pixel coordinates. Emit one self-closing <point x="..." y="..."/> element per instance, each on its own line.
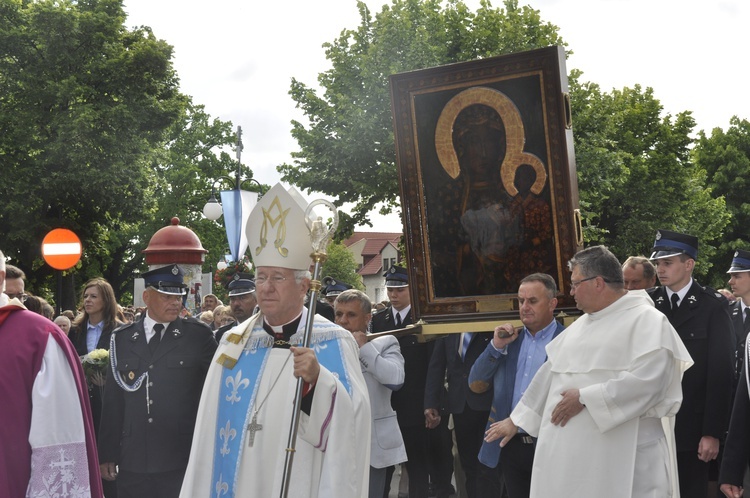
<point x="509" y="363"/>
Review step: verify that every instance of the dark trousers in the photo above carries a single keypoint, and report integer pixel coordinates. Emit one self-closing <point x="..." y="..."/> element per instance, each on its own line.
<point x="469" y="426"/>
<point x="516" y="459"/>
<point x="440" y="454"/>
<point x="490" y="482"/>
<point x="109" y="488"/>
<point x="417" y="443"/>
<point x="157" y="485"/>
<point x="693" y="475"/>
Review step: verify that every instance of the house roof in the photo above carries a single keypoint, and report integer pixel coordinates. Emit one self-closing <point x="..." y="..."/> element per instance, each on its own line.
<point x="373" y="247"/>
<point x="374" y="243"/>
<point x="373" y="267"/>
<point x="392" y="237"/>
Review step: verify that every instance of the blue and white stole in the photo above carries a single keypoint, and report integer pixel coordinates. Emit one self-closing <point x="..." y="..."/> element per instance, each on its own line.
<point x="238" y="395"/>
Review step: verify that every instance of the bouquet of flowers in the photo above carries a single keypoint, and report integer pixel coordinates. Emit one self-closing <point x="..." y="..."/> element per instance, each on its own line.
<point x="95" y="366"/>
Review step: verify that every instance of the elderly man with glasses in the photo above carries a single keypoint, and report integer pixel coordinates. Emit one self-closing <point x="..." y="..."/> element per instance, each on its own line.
<point x="608" y="381"/>
<point x="247" y="405"/>
<point x="158" y="367"/>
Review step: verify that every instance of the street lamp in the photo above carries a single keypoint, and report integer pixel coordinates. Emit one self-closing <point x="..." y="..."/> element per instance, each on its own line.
<point x="235" y="205"/>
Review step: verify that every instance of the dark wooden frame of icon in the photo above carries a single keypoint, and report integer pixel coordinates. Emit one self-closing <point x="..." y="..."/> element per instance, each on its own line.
<point x="473" y="230"/>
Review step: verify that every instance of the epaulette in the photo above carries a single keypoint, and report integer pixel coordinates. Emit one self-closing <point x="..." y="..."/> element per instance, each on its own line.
<point x="123" y="327"/>
<point x="714" y="294"/>
<point x="381" y="311"/>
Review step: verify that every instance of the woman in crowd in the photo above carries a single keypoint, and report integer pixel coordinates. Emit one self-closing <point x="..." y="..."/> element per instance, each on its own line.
<point x="92" y="330"/>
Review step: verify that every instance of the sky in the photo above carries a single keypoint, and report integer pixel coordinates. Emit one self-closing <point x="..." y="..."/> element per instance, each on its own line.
<point x="237" y="58"/>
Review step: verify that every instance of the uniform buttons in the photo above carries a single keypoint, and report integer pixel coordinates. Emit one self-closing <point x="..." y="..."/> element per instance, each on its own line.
<point x="181" y="362"/>
<point x="151" y="402"/>
<point x="150" y="384"/>
<point x="150" y="421"/>
<point x="150" y="367"/>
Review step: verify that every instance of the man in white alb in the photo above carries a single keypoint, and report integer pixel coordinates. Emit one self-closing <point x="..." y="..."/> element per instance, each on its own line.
<point x="239" y="448"/>
<point x="596" y="404"/>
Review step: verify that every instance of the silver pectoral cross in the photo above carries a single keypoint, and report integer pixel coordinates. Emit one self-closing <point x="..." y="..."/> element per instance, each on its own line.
<point x="252" y="428"/>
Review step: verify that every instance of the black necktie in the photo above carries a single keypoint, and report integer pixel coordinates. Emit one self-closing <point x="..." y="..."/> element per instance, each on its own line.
<point x="398" y="320"/>
<point x="156" y="339"/>
<point x="675" y="298"/>
<point x="746" y="321"/>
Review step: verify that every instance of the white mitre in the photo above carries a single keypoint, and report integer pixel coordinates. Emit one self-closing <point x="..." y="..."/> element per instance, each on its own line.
<point x="277" y="230"/>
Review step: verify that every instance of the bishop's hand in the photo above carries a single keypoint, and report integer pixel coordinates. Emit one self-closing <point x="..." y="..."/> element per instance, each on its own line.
<point x="306" y="364"/>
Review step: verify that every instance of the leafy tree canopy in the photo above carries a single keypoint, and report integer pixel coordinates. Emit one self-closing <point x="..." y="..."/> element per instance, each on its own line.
<point x="341" y="266"/>
<point x="96" y="137"/>
<point x="635" y="168"/>
<point x="636" y="175"/>
<point x="725" y="156"/>
<point x="347" y="151"/>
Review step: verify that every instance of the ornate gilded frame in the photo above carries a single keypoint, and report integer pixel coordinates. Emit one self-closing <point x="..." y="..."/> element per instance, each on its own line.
<point x="470" y="234"/>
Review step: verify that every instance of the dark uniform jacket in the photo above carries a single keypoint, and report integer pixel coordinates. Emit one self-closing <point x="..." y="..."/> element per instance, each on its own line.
<point x="155" y="438"/>
<point x="737" y="447"/>
<point x="407" y="401"/>
<point x="446" y="361"/>
<point x="740" y="333"/>
<point x="703" y="324"/>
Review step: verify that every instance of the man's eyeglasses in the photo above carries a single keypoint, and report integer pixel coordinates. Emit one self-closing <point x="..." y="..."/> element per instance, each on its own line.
<point x="574" y="284"/>
<point x="275" y="280"/>
<point x="21" y="297"/>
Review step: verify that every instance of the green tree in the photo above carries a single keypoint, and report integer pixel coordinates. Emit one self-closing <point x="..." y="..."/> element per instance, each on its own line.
<point x="725" y="155"/>
<point x="347" y="151"/>
<point x="635" y="173"/>
<point x="341" y="266"/>
<point x="193" y="156"/>
<point x="83" y="102"/>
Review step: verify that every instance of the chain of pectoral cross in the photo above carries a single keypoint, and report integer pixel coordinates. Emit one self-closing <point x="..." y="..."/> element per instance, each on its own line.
<point x="254" y="426"/>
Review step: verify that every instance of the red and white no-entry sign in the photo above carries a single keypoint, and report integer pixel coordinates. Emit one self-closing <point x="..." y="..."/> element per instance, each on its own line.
<point x="61" y="249"/>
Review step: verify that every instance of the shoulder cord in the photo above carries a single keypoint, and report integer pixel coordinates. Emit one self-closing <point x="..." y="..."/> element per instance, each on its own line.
<point x="118" y="377"/>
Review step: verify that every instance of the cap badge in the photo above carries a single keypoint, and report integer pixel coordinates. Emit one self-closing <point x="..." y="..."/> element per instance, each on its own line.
<point x="236" y="276"/>
<point x="736" y="253"/>
<point x="658" y="235"/>
<point x="392" y="270"/>
<point x="175" y="270"/>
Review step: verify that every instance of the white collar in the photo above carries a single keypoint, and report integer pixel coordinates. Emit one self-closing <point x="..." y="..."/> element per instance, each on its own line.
<point x="680" y="293"/>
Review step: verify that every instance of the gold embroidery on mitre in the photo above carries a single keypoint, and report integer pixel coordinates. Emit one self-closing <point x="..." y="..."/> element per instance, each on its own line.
<point x="279" y="219"/>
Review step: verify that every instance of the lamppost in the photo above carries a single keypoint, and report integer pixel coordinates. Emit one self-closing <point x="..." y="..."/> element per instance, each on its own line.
<point x="236" y="205"/>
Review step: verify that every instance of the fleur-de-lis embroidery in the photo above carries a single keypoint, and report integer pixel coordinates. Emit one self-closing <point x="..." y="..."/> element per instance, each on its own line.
<point x="236" y="383"/>
<point x="225" y="434"/>
<point x="319" y="346"/>
<point x="221" y="487"/>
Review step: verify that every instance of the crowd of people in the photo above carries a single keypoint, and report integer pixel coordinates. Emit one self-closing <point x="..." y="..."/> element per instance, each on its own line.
<point x="645" y="394"/>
